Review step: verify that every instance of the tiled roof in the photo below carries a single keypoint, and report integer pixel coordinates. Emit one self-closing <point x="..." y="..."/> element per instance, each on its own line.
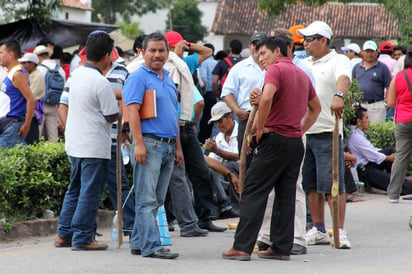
<point x="75" y="4"/>
<point x="355" y="20"/>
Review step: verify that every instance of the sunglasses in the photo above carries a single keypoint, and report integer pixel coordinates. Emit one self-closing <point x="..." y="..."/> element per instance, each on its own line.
<point x="312" y="38"/>
<point x="23" y="63"/>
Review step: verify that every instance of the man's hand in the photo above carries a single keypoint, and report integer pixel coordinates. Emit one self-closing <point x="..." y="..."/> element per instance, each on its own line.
<point x="242" y="114"/>
<point x="337" y="106"/>
<point x="140" y="153"/>
<point x="254" y="96"/>
<point x="210" y="145"/>
<point x="390" y="158"/>
<point x="178" y="158"/>
<point x="24" y="129"/>
<point x="235" y="181"/>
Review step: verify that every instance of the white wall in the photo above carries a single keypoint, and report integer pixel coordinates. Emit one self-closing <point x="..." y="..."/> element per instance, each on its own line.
<point x="152" y="22"/>
<point x="75" y="14"/>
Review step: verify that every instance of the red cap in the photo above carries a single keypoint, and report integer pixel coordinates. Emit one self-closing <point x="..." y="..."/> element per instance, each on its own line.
<point x="173" y="38"/>
<point x="386" y="46"/>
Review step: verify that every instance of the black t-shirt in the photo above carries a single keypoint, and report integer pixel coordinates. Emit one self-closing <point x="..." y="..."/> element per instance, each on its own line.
<point x="222" y="66"/>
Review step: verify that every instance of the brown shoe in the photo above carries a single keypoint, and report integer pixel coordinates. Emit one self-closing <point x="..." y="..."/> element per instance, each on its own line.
<point x="95" y="245"/>
<point x="233" y="254"/>
<point x="60" y="242"/>
<point x="271" y="254"/>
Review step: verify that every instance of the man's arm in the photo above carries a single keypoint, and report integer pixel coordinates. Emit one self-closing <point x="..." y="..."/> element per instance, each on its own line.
<point x="211" y="146"/>
<point x="342" y="85"/>
<point x="136" y="130"/>
<point x="391" y="94"/>
<point x="265" y="105"/>
<point x="215" y="83"/>
<point x="314" y="109"/>
<point x="202" y="52"/>
<point x="198" y="108"/>
<point x="231" y="103"/>
<point x="20" y="81"/>
<point x="218" y="167"/>
<point x="62" y="110"/>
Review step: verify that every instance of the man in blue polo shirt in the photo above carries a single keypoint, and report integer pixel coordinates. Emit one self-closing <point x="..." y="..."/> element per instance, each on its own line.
<point x="156" y="145"/>
<point x="373" y="78"/>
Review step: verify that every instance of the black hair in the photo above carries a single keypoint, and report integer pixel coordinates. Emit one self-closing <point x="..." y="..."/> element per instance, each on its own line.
<point x="208" y="45"/>
<point x="236" y="46"/>
<point x="221" y="54"/>
<point x="138" y="42"/>
<point x="401" y="48"/>
<point x="66" y="58"/>
<point x="57" y="52"/>
<point x="12" y="45"/>
<point x="120" y="51"/>
<point x="359" y="113"/>
<point x="408" y="60"/>
<point x="98" y="45"/>
<point x="274" y="42"/>
<point x="155" y="36"/>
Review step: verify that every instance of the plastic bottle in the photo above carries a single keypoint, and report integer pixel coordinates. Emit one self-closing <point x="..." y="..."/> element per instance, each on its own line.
<point x="115" y="231"/>
<point x="125" y="152"/>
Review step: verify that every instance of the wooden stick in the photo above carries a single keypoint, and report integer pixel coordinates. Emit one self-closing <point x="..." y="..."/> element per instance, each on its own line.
<point x="245" y="147"/>
<point x="119" y="164"/>
<point x="335" y="184"/>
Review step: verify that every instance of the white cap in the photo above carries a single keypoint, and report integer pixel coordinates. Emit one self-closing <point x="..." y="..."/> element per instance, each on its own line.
<point x="317" y="27"/>
<point x="353" y="47"/>
<point x="370" y="45"/>
<point x="29" y="57"/>
<point x="42" y="49"/>
<point x="218" y="110"/>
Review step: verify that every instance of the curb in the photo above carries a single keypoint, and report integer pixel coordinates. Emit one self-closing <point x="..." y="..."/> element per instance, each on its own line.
<point x="45" y="227"/>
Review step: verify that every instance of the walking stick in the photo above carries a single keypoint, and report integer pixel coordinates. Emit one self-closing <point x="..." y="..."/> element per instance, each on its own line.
<point x="119" y="164"/>
<point x="245" y="146"/>
<point x="335" y="184"/>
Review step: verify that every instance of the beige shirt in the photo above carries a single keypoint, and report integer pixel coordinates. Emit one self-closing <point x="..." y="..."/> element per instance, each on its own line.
<point x="37" y="84"/>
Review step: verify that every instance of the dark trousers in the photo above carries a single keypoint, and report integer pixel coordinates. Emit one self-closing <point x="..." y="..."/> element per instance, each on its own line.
<point x="197" y="171"/>
<point x="205" y="129"/>
<point x="33" y="134"/>
<point x="275" y="164"/>
<point x="379" y="176"/>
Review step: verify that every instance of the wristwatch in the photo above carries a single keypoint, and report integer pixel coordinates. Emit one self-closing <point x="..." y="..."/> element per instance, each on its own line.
<point x="339" y="94"/>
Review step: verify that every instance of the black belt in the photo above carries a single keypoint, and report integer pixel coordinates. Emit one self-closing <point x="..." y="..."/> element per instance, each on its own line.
<point x="171" y="141"/>
<point x="184" y="123"/>
<point x="16" y="119"/>
<point x="371" y="101"/>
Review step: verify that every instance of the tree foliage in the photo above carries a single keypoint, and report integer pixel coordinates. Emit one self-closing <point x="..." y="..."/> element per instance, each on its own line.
<point x="109" y="9"/>
<point x="186" y="19"/>
<point x="400" y="9"/>
<point x="41" y="10"/>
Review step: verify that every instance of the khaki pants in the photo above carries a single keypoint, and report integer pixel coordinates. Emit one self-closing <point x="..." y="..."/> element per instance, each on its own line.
<point x="376" y="111"/>
<point x="50" y="121"/>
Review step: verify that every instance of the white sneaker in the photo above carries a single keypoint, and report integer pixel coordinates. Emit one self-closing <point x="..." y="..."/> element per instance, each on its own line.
<point x="315" y="237"/>
<point x="343" y="240"/>
<point x="393" y="200"/>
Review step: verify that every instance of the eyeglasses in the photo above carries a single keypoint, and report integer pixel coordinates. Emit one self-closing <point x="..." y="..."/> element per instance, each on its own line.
<point x="312" y="38"/>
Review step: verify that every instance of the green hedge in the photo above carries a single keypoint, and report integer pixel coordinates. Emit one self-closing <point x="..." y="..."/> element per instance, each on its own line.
<point x="35" y="178"/>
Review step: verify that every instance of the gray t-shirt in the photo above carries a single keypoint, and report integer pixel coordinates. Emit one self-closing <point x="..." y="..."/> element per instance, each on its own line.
<point x="91" y="99"/>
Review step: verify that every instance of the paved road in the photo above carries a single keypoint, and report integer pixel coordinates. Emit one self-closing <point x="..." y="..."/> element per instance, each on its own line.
<point x="378" y="231"/>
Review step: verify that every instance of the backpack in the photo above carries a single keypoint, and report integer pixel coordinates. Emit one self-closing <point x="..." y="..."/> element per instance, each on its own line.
<point x="54" y="85"/>
<point x="229" y="62"/>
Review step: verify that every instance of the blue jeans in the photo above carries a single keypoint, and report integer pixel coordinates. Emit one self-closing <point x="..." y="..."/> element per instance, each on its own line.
<point x="10" y="137"/>
<point x="151" y="183"/>
<point x="317" y="166"/>
<point x="128" y="210"/>
<point x="81" y="201"/>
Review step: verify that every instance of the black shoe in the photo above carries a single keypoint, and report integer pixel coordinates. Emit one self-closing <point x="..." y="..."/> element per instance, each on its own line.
<point x="198" y="232"/>
<point x="262" y="246"/>
<point x="228" y="214"/>
<point x="171" y="227"/>
<point x="163" y="254"/>
<point x="212" y="227"/>
<point x="298" y="250"/>
<point x="139" y="252"/>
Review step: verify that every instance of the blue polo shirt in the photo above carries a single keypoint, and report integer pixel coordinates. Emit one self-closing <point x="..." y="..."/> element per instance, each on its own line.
<point x="165" y="124"/>
<point x="372" y="81"/>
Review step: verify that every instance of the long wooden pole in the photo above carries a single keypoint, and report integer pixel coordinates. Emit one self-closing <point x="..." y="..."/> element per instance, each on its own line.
<point x="245" y="147"/>
<point x="119" y="164"/>
<point x="335" y="184"/>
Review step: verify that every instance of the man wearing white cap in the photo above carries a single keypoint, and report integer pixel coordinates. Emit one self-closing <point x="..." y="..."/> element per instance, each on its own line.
<point x="332" y="73"/>
<point x="353" y="52"/>
<point x="50" y="119"/>
<point x="37" y="86"/>
<point x="373" y="78"/>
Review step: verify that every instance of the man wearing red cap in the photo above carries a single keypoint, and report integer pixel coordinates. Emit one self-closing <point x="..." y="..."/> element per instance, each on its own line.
<point x="385" y="56"/>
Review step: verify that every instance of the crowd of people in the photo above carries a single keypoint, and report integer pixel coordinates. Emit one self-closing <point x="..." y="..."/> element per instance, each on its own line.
<point x="186" y="153"/>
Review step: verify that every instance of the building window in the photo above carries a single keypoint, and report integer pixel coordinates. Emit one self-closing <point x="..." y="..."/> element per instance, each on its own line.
<point x="67" y="16"/>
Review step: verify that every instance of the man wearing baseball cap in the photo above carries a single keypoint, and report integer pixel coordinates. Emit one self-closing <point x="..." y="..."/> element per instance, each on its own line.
<point x="37" y="86"/>
<point x="373" y="77"/>
<point x="332" y="72"/>
<point x="353" y="52"/>
<point x="241" y="80"/>
<point x="299" y="50"/>
<point x="385" y="56"/>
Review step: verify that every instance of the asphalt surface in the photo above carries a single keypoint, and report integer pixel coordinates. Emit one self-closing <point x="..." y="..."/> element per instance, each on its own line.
<point x="379" y="232"/>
